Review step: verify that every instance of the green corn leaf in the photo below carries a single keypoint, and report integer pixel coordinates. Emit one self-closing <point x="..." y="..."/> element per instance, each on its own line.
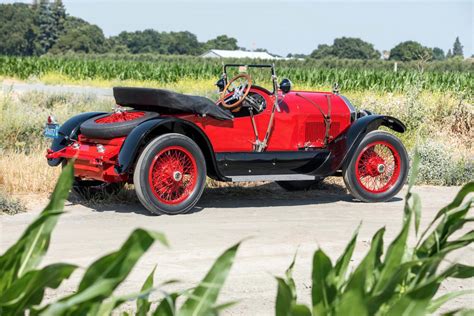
<point x="416" y="207"/>
<point x="450" y="223"/>
<point x="105" y="274"/>
<point x="204" y="296"/>
<point x="323" y="290"/>
<point x="167" y="306"/>
<point x="465" y="190"/>
<point x="27" y="252"/>
<point x="394" y="256"/>
<point x="289" y="278"/>
<point x="143" y="305"/>
<point x="107" y="306"/>
<point x="218" y="308"/>
<point x="29" y="289"/>
<point x="352" y="303"/>
<point x="440" y="301"/>
<point x="414" y="302"/>
<point x="342" y="263"/>
<point x="460" y="196"/>
<point x="458" y="271"/>
<point x="300" y="310"/>
<point x="389" y="290"/>
<point x="363" y="277"/>
<point x="284" y="298"/>
<point x="119" y="263"/>
<point x="460" y="312"/>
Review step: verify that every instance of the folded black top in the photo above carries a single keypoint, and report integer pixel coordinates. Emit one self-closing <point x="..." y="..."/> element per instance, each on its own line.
<point x="168" y="102"/>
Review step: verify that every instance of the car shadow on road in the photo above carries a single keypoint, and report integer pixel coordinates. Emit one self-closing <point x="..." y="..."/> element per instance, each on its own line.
<point x="235" y="196"/>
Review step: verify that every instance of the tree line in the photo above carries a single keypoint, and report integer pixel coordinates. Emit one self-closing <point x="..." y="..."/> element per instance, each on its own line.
<point x="44" y="27"/>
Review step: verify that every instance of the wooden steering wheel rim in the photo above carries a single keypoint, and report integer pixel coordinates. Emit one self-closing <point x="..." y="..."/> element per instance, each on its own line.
<point x="247" y="90"/>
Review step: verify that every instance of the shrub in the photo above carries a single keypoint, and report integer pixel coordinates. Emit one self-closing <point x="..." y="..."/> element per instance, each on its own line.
<point x="10" y="206"/>
<point x="438" y="166"/>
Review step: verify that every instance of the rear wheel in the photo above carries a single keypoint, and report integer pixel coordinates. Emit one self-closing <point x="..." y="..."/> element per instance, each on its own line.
<point x="299" y="185"/>
<point x="170" y="175"/>
<point x="378" y="168"/>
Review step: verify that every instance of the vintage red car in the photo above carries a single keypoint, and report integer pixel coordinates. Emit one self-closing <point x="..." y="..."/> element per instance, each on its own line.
<point x="166" y="143"/>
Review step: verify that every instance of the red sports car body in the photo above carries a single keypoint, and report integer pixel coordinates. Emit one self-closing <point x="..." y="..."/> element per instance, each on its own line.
<point x="167" y="143"/>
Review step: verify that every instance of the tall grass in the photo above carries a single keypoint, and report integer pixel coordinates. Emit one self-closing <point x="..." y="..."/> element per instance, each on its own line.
<point x="442" y="123"/>
<point x="354" y="76"/>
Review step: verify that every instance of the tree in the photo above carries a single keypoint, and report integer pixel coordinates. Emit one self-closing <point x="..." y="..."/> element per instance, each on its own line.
<point x="347" y="47"/>
<point x="354" y="48"/>
<point x="58" y="12"/>
<point x="221" y="42"/>
<point x="438" y="54"/>
<point x="323" y="51"/>
<point x="47" y="27"/>
<point x="457" y="48"/>
<point x="18" y="30"/>
<point x="409" y="50"/>
<point x="181" y="43"/>
<point x="147" y="41"/>
<point x="449" y="54"/>
<point x="81" y="37"/>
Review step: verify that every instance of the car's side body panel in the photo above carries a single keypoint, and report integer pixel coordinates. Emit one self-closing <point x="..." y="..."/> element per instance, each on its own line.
<point x="299" y="123"/>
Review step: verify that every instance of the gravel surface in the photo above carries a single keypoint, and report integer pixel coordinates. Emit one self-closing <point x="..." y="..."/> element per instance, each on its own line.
<point x="278" y="224"/>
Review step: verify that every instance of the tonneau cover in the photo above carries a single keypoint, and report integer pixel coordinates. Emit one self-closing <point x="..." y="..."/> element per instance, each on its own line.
<point x="168" y="102"/>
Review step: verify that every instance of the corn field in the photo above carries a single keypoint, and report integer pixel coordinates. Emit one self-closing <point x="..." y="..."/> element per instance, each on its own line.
<point x="351" y="75"/>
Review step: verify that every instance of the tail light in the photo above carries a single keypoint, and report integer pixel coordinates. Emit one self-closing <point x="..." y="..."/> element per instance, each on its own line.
<point x="51" y="119"/>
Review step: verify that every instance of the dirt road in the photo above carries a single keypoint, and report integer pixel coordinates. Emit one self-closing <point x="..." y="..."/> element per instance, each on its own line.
<point x="279" y="223"/>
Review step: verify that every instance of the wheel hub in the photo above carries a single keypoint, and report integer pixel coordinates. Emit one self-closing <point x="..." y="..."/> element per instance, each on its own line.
<point x="177" y="176"/>
<point x="375" y="165"/>
<point x="381" y="168"/>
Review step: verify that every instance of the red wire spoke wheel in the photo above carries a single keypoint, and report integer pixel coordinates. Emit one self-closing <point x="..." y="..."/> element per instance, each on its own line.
<point x="170" y="174"/>
<point x="378" y="168"/>
<point x="120" y="117"/>
<point x="173" y="175"/>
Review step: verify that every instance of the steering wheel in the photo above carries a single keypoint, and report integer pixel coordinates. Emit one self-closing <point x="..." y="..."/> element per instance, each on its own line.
<point x="232" y="98"/>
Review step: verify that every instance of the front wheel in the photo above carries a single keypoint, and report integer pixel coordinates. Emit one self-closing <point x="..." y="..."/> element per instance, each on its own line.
<point x="378" y="169"/>
<point x="170" y="175"/>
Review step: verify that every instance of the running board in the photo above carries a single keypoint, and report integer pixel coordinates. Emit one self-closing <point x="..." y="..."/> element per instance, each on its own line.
<point x="272" y="177"/>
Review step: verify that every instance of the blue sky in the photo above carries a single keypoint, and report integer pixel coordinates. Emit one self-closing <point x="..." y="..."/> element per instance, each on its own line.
<point x="290" y="26"/>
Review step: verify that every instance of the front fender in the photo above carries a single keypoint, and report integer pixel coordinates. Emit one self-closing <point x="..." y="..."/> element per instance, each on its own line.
<point x="67" y="131"/>
<point x="344" y="146"/>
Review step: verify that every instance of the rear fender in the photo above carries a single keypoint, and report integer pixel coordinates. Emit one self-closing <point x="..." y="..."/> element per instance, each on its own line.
<point x="143" y="133"/>
<point x="68" y="131"/>
<point x="344" y="147"/>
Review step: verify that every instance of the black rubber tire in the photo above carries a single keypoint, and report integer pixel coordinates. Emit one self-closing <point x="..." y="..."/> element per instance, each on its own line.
<point x="140" y="175"/>
<point x="92" y="189"/>
<point x="92" y="129"/>
<point x="300" y="185"/>
<point x="349" y="170"/>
